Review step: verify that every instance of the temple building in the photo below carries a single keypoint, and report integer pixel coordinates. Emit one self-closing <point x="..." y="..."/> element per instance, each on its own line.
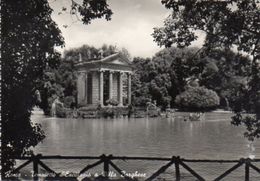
<point x="107" y="78"/>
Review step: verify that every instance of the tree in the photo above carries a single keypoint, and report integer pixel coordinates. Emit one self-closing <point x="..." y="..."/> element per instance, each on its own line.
<point x="29" y="36"/>
<point x="226" y="25"/>
<point x="89" y="53"/>
<point x="140" y="81"/>
<point x="50" y="89"/>
<point x="174" y="66"/>
<point x="164" y="76"/>
<point x="226" y="72"/>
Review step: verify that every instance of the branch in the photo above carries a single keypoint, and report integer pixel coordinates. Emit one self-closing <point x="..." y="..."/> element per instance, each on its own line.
<point x="253" y="52"/>
<point x="253" y="32"/>
<point x="195" y="54"/>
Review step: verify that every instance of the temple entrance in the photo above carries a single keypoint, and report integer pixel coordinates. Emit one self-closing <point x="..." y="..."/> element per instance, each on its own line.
<point x="104" y="82"/>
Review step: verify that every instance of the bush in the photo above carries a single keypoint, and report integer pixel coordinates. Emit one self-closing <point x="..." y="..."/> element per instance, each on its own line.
<point x="108" y="112"/>
<point x="60" y="111"/>
<point x="197" y="99"/>
<point x="112" y="102"/>
<point x="69" y="102"/>
<point x="141" y="101"/>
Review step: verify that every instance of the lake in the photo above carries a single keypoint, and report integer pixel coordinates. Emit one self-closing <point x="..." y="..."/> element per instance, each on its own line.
<point x="212" y="138"/>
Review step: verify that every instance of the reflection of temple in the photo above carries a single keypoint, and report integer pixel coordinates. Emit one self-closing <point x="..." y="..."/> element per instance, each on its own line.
<point x="104" y="79"/>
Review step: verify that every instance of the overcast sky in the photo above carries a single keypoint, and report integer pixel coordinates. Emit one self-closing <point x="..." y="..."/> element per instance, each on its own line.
<point x="131" y="26"/>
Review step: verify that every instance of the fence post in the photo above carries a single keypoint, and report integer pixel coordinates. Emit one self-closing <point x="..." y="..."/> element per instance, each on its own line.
<point x="106" y="166"/>
<point x="177" y="168"/>
<point x="35" y="167"/>
<point x="247" y="162"/>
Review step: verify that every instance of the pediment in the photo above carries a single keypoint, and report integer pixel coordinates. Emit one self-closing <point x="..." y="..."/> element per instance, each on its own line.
<point x="113" y="60"/>
<point x="118" y="61"/>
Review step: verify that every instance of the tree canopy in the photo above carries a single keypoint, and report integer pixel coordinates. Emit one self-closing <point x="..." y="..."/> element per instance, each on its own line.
<point x="230" y="24"/>
<point x="29" y="38"/>
<point x="169" y="72"/>
<point x="225" y="24"/>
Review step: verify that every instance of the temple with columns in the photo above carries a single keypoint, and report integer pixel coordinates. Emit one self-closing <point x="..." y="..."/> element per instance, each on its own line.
<point x="107" y="78"/>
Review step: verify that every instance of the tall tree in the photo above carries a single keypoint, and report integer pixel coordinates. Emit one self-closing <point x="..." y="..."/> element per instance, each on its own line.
<point x="144" y="73"/>
<point x="177" y="65"/>
<point x="226" y="72"/>
<point x="226" y="24"/>
<point x="167" y="74"/>
<point x="164" y="76"/>
<point x="29" y="36"/>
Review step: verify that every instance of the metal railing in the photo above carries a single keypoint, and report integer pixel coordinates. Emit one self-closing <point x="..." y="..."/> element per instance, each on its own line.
<point x="107" y="161"/>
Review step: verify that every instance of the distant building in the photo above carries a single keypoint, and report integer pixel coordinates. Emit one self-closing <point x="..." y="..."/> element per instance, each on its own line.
<point x="102" y="80"/>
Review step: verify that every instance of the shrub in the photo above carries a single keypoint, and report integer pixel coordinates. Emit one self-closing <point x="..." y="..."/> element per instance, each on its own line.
<point x="141" y="101"/>
<point x="69" y="102"/>
<point x="112" y="102"/>
<point x="60" y="111"/>
<point x="108" y="112"/>
<point x="197" y="99"/>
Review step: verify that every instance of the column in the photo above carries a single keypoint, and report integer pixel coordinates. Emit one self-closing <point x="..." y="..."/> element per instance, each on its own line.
<point x="80" y="87"/>
<point x="101" y="88"/>
<point x="129" y="89"/>
<point x="120" y="89"/>
<point x="86" y="88"/>
<point x="110" y="84"/>
<point x="83" y="86"/>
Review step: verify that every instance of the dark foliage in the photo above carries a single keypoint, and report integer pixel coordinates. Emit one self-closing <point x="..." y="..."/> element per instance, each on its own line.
<point x="227" y="73"/>
<point x="29" y="36"/>
<point x="69" y="102"/>
<point x="112" y="102"/>
<point x="226" y="24"/>
<point x="164" y="76"/>
<point x="167" y="74"/>
<point x="50" y="89"/>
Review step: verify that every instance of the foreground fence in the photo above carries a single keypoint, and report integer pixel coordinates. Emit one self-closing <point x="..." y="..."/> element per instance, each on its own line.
<point x="107" y="161"/>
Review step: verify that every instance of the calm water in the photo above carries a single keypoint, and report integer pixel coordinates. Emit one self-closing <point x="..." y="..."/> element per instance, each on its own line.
<point x="214" y="138"/>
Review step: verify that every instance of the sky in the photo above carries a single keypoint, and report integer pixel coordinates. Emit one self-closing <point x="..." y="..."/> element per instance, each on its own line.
<point x="131" y="26"/>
